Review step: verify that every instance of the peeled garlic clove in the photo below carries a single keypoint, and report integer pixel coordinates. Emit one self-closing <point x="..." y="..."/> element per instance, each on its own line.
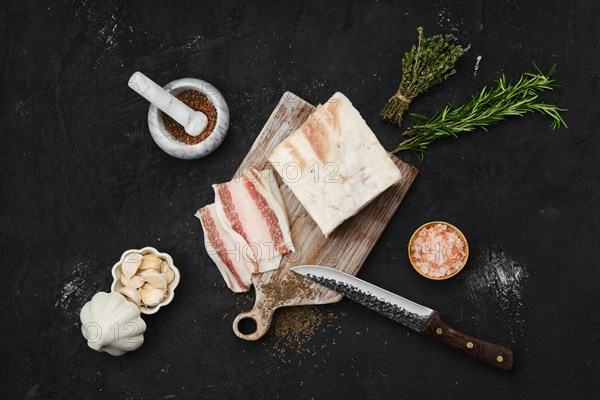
<point x="125" y="280"/>
<point x="131" y="294"/>
<point x="150" y="261"/>
<point x="150" y="295"/>
<point x="168" y="273"/>
<point x="136" y="281"/>
<point x="130" y="264"/>
<point x="156" y="279"/>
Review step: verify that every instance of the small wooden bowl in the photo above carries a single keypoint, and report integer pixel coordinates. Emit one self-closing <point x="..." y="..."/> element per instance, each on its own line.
<point x="414" y="236"/>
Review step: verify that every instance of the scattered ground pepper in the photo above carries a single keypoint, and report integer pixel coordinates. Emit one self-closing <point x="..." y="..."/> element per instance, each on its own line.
<point x="277" y="293"/>
<point x="197" y="102"/>
<point x="294" y="329"/>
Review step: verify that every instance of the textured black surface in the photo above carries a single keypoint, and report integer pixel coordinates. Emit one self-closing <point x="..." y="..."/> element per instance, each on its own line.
<point x="82" y="181"/>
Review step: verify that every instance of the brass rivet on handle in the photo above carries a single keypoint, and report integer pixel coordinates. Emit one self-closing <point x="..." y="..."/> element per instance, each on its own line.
<point x="439" y="331"/>
<point x="469" y="345"/>
<point x="499" y="358"/>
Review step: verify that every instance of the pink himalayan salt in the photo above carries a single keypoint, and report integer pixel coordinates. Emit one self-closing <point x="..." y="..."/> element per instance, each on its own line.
<point x="438" y="250"/>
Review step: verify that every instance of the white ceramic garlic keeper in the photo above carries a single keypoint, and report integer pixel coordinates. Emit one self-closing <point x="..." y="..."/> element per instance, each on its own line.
<point x="116" y="273"/>
<point x="177" y="149"/>
<point x="112" y="324"/>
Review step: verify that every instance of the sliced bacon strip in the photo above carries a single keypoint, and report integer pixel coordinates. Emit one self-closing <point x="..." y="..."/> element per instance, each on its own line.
<point x="266" y="178"/>
<point x="224" y="250"/>
<point x="266" y="185"/>
<point x="251" y="209"/>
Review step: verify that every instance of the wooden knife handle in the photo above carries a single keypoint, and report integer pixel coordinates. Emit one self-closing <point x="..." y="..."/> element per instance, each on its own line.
<point x="496" y="354"/>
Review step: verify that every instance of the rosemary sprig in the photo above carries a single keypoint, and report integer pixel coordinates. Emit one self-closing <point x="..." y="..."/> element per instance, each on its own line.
<point x="484" y="109"/>
<point x="428" y="63"/>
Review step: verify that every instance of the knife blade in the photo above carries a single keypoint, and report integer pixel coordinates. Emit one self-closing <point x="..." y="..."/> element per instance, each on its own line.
<point x="415" y="316"/>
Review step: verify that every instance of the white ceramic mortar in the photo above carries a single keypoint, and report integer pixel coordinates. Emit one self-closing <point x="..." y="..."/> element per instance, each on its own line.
<point x="168" y="144"/>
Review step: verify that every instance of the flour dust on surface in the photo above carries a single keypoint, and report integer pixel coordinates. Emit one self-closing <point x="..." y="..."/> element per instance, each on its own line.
<point x="476" y="66"/>
<point x="446" y="20"/>
<point x="495" y="284"/>
<point x="75" y="290"/>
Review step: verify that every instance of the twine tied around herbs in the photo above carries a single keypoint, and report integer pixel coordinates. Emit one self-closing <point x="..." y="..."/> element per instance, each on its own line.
<point x="402" y="98"/>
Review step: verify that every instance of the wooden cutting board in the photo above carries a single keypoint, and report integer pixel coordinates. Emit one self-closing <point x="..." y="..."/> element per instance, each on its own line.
<point x="345" y="249"/>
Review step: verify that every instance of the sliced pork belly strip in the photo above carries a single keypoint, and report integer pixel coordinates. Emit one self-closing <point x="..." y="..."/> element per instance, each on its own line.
<point x="270" y="190"/>
<point x="224" y="251"/>
<point x="250" y="212"/>
<point x="267" y="186"/>
<point x="246" y="214"/>
<point x="231" y="222"/>
<point x="267" y="177"/>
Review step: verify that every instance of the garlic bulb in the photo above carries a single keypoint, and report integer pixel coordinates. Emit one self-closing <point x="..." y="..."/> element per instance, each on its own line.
<point x="112" y="324"/>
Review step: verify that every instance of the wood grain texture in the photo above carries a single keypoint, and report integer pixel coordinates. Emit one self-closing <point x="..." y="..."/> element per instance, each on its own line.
<point x="345" y="249"/>
<point x="495" y="354"/>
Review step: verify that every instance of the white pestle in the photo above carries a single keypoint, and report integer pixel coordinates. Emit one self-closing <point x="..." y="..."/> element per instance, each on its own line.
<point x="194" y="122"/>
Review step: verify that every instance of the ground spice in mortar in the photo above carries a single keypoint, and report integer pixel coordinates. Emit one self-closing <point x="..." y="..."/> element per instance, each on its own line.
<point x="197" y="102"/>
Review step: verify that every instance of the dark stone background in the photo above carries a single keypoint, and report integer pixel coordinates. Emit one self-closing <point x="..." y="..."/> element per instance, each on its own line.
<point x="82" y="181"/>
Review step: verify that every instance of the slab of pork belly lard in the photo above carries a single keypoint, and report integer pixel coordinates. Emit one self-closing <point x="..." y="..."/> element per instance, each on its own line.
<point x="334" y="164"/>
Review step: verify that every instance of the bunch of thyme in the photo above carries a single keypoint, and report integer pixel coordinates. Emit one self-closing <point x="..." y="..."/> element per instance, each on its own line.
<point x="428" y="63"/>
<point x="486" y="108"/>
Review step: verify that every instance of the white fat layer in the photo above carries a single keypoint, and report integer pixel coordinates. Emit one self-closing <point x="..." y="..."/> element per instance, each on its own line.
<point x="356" y="170"/>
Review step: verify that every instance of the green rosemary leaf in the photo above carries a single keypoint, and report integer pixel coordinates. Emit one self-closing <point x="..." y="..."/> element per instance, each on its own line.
<point x="486" y="108"/>
<point x="426" y="64"/>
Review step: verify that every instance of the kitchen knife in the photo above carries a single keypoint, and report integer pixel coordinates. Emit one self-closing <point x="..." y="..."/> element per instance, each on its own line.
<point x="415" y="316"/>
